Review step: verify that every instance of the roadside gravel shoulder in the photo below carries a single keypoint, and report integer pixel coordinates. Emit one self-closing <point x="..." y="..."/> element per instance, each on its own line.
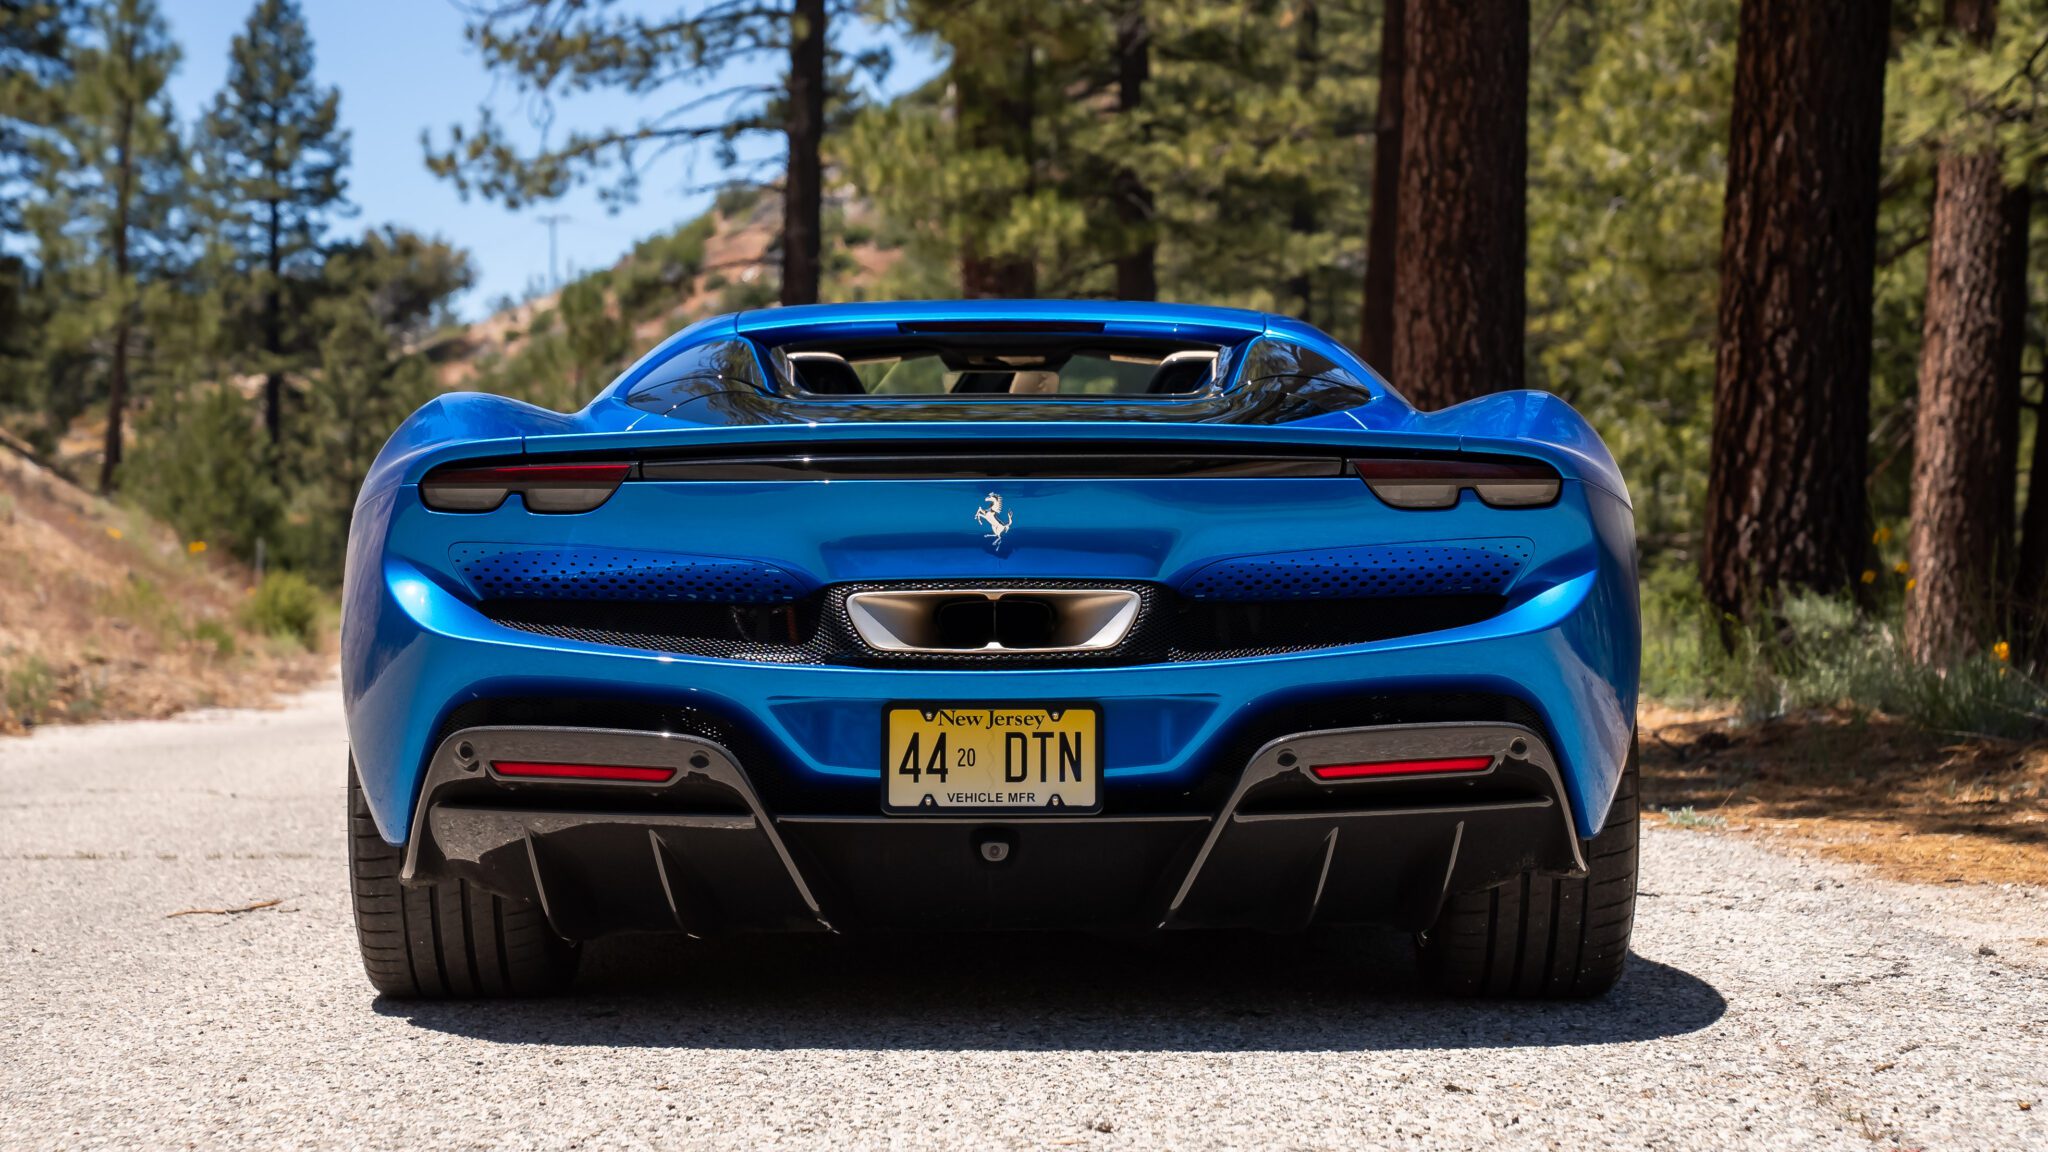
<point x="1775" y="1001"/>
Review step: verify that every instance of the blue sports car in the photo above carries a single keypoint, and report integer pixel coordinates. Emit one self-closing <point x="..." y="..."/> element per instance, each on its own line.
<point x="992" y="616"/>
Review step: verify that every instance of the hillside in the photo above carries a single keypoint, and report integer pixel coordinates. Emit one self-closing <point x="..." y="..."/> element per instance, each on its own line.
<point x="722" y="261"/>
<point x="105" y="614"/>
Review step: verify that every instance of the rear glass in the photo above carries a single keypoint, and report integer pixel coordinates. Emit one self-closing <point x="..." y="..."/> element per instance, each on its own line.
<point x="982" y="370"/>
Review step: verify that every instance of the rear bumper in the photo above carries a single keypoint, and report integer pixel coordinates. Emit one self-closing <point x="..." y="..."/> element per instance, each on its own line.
<point x="417" y="653"/>
<point x="703" y="853"/>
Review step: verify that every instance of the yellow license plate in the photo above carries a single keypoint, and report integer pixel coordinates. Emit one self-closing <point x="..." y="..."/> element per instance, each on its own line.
<point x="991" y="757"/>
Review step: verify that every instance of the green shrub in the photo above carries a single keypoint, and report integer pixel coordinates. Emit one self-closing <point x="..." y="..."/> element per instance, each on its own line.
<point x="738" y="296"/>
<point x="737" y="199"/>
<point x="658" y="273"/>
<point x="217" y="634"/>
<point x="287" y="604"/>
<point x="89" y="699"/>
<point x="1825" y="652"/>
<point x="1684" y="662"/>
<point x="201" y="463"/>
<point x="143" y="604"/>
<point x="26" y="690"/>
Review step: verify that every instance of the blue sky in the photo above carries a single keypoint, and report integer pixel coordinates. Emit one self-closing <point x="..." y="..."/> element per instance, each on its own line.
<point x="403" y="67"/>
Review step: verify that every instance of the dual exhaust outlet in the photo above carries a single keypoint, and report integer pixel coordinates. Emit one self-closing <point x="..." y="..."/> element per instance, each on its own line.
<point x="1019" y="620"/>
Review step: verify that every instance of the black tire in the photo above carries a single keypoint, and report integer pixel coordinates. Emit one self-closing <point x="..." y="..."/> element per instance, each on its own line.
<point x="1542" y="935"/>
<point x="445" y="940"/>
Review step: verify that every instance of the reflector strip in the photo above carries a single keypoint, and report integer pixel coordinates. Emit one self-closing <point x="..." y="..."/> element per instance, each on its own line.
<point x="527" y="768"/>
<point x="1401" y="768"/>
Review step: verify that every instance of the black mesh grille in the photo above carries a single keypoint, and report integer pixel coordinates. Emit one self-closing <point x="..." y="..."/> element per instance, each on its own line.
<point x="527" y="571"/>
<point x="1468" y="567"/>
<point x="1170" y="628"/>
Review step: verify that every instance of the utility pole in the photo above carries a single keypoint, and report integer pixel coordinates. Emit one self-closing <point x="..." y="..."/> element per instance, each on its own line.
<point x="551" y="219"/>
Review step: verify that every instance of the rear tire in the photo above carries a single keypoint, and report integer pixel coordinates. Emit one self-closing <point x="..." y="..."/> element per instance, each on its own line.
<point x="445" y="940"/>
<point x="1541" y="935"/>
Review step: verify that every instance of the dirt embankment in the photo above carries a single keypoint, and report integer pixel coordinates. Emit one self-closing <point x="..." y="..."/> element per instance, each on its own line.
<point x="1922" y="806"/>
<point x="106" y="614"/>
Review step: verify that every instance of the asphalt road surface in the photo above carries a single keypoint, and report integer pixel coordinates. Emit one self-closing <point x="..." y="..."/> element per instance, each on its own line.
<point x="1773" y="1003"/>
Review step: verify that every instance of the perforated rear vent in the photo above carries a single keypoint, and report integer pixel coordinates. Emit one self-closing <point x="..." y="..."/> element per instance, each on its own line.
<point x="522" y="571"/>
<point x="1463" y="568"/>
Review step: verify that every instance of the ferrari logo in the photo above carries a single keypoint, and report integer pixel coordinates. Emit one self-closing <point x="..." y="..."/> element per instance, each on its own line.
<point x="992" y="517"/>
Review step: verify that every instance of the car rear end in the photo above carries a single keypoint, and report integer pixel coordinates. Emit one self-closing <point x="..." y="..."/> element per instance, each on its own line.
<point x="958" y="665"/>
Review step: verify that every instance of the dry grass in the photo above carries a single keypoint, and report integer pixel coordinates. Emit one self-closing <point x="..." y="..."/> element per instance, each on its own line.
<point x="104" y="614"/>
<point x="1918" y="806"/>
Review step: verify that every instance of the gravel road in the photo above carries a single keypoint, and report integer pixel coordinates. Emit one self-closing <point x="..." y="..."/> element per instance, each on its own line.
<point x="1773" y="1002"/>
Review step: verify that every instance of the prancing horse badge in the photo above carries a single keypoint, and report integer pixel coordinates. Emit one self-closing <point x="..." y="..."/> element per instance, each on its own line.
<point x="991" y="516"/>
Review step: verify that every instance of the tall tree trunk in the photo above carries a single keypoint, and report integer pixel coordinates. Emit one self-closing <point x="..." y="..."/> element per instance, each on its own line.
<point x="1376" y="331"/>
<point x="1785" y="489"/>
<point x="1966" y="435"/>
<point x="1137" y="268"/>
<point x="804" y="125"/>
<point x="273" y="331"/>
<point x="1964" y="431"/>
<point x="1301" y="220"/>
<point x="124" y="316"/>
<point x="1461" y="227"/>
<point x="997" y="103"/>
<point x="2012" y="353"/>
<point x="2031" y="578"/>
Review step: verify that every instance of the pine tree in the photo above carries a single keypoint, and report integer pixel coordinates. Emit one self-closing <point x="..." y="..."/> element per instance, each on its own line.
<point x="1966" y="439"/>
<point x="116" y="161"/>
<point x="598" y="337"/>
<point x="1301" y="219"/>
<point x="1629" y="105"/>
<point x="1376" y="325"/>
<point x="1461" y="223"/>
<point x="405" y="279"/>
<point x="551" y="47"/>
<point x="803" y="127"/>
<point x="34" y="66"/>
<point x="999" y="81"/>
<point x="1134" y="150"/>
<point x="278" y="151"/>
<point x="1263" y="136"/>
<point x="1785" y="499"/>
<point x="1137" y="249"/>
<point x="381" y="297"/>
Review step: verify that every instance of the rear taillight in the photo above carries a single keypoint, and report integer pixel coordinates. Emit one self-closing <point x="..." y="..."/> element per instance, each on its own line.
<point x="1436" y="483"/>
<point x="544" y="487"/>
<point x="618" y="773"/>
<point x="1378" y="768"/>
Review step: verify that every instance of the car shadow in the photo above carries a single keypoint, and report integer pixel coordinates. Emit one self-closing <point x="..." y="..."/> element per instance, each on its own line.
<point x="1204" y="993"/>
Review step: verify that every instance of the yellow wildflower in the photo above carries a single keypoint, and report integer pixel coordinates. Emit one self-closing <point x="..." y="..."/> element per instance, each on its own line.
<point x="1883" y="535"/>
<point x="196" y="547"/>
<point x="114" y="533"/>
<point x="2002" y="650"/>
<point x="1902" y="568"/>
<point x="1869" y="576"/>
<point x="1911" y="584"/>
